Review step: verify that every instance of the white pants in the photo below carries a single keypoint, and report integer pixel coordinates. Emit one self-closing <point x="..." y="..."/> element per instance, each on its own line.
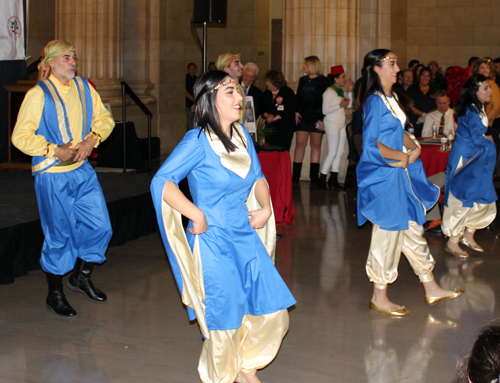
<point x="457" y="218"/>
<point x="385" y="252"/>
<point x="336" y="134"/>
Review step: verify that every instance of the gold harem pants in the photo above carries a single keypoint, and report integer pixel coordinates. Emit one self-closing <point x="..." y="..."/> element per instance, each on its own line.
<point x="457" y="218"/>
<point x="385" y="253"/>
<point x="249" y="348"/>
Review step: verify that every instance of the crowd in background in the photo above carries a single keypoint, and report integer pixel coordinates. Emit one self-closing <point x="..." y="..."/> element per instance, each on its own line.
<point x="325" y="105"/>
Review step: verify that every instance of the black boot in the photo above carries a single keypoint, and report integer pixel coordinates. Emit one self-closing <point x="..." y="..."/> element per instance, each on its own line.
<point x="333" y="182"/>
<point x="314" y="173"/>
<point x="297" y="169"/>
<point x="80" y="281"/>
<point x="56" y="301"/>
<point x="322" y="181"/>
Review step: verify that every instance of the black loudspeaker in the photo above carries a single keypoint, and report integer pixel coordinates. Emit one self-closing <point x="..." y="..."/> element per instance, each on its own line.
<point x="210" y="11"/>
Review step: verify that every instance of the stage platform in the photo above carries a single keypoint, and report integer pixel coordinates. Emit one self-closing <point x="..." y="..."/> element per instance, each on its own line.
<point x="128" y="199"/>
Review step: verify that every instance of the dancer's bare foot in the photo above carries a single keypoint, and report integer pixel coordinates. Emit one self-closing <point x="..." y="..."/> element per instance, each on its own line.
<point x="250" y="378"/>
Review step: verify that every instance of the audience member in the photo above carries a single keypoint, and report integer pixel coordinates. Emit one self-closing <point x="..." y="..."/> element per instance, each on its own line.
<point x="190" y="80"/>
<point x="421" y="94"/>
<point x="211" y="66"/>
<point x="412" y="64"/>
<point x="279" y="106"/>
<point x="471" y="64"/>
<point x="250" y="73"/>
<point x="485" y="67"/>
<point x="437" y="80"/>
<point x="407" y="79"/>
<point x="416" y="72"/>
<point x="482" y="365"/>
<point x="496" y="65"/>
<point x="309" y="118"/>
<point x="442" y="117"/>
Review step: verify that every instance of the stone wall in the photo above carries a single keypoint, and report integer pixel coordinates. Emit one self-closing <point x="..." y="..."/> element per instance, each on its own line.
<point x="451" y="31"/>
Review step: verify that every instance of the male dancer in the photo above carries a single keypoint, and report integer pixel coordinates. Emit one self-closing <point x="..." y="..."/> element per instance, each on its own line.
<point x="60" y="121"/>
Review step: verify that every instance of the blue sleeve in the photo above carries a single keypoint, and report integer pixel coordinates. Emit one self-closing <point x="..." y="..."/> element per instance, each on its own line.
<point x="476" y="128"/>
<point x="186" y="156"/>
<point x="372" y="116"/>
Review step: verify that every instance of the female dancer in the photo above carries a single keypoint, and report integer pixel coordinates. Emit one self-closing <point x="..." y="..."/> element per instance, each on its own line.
<point x="334" y="103"/>
<point x="393" y="193"/>
<point x="309" y="118"/>
<point x="469" y="192"/>
<point x="224" y="270"/>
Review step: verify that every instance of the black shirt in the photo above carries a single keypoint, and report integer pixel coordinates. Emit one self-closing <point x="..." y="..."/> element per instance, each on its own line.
<point x="189" y="87"/>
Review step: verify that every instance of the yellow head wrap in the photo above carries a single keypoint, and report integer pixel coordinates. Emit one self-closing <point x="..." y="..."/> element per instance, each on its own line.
<point x="52" y="50"/>
<point x="226" y="59"/>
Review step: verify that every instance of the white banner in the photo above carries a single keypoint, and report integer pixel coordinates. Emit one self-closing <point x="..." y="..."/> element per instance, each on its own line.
<point x="11" y="30"/>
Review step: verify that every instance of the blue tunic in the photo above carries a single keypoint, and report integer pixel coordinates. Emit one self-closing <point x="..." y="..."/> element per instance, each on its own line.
<point x="473" y="182"/>
<point x="389" y="196"/>
<point x="239" y="275"/>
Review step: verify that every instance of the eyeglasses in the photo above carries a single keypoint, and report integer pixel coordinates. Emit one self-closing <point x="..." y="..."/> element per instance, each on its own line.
<point x="221" y="84"/>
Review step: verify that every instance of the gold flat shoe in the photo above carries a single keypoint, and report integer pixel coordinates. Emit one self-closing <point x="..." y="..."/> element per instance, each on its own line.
<point x="433" y="300"/>
<point x="470" y="245"/>
<point x="463" y="255"/>
<point x="402" y="311"/>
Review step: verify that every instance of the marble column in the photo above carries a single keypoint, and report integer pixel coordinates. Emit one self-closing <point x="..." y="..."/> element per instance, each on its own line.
<point x="328" y="29"/>
<point x="94" y="28"/>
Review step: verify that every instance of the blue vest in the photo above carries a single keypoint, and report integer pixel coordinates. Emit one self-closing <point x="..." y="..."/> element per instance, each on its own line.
<point x="54" y="125"/>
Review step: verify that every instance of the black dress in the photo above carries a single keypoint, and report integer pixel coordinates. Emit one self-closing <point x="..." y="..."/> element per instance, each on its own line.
<point x="310" y="102"/>
<point x="423" y="102"/>
<point x="284" y="105"/>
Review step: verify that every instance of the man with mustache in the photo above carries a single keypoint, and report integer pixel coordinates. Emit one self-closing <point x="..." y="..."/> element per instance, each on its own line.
<point x="60" y="121"/>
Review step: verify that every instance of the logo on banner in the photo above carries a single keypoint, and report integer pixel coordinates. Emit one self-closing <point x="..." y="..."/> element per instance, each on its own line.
<point x="15" y="28"/>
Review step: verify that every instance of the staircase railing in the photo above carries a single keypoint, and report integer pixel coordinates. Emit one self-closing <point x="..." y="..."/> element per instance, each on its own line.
<point x="127" y="90"/>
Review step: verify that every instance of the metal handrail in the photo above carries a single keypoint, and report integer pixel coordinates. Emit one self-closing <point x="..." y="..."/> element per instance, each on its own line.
<point x="127" y="90"/>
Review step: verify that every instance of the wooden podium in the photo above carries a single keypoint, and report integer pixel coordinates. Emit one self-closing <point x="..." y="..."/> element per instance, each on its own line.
<point x="15" y="158"/>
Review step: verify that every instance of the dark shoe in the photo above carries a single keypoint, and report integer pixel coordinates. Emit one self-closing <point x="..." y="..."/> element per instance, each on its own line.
<point x="56" y="301"/>
<point x="333" y="182"/>
<point x="297" y="169"/>
<point x="314" y="173"/>
<point x="322" y="181"/>
<point x="279" y="236"/>
<point x="80" y="281"/>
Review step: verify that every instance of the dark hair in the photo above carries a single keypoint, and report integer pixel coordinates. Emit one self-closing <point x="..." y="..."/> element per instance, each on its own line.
<point x="416" y="77"/>
<point x="486" y="61"/>
<point x="425" y="69"/>
<point x="441" y="93"/>
<point x="276" y="77"/>
<point x="468" y="95"/>
<point x="496" y="61"/>
<point x="483" y="363"/>
<point x="412" y="62"/>
<point x="371" y="80"/>
<point x="206" y="115"/>
<point x="332" y="77"/>
<point x="472" y="60"/>
<point x="191" y="64"/>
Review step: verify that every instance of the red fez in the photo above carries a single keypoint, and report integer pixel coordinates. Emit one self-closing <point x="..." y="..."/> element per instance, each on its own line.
<point x="337" y="69"/>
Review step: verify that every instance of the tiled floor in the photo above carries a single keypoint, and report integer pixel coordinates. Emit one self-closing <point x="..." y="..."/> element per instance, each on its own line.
<point x="142" y="334"/>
